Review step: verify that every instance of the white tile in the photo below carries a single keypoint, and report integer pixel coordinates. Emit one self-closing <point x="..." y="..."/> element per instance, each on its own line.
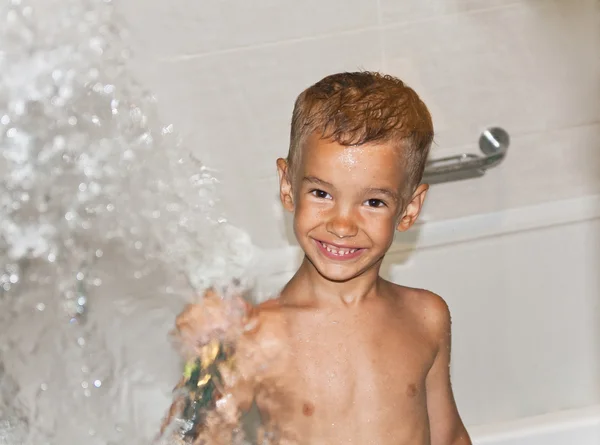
<point x="394" y="11"/>
<point x="525" y="68"/>
<point x="234" y="108"/>
<point x="525" y="319"/>
<point x="165" y="29"/>
<point x="234" y="112"/>
<point x="539" y="167"/>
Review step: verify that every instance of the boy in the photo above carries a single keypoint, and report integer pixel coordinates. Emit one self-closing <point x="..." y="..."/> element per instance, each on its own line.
<point x="351" y="358"/>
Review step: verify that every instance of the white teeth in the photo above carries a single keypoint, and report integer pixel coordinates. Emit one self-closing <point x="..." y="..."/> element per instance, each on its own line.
<point x="335" y="251"/>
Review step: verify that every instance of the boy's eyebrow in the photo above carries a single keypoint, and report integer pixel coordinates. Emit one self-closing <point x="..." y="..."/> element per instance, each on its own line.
<point x="389" y="193"/>
<point x="315" y="180"/>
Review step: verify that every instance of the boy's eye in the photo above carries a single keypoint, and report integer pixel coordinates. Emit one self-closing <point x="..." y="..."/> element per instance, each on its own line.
<point x="375" y="203"/>
<point x="320" y="194"/>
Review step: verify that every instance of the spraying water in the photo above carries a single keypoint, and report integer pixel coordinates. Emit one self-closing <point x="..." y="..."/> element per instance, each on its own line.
<point x="107" y="224"/>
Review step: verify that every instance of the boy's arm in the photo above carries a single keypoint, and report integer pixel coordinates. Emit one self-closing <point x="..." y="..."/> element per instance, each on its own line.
<point x="219" y="425"/>
<point x="202" y="330"/>
<point x="446" y="425"/>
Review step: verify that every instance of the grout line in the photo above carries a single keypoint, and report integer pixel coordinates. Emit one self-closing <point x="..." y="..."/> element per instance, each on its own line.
<point x="379" y="27"/>
<point x="422" y="20"/>
<point x="401" y="250"/>
<point x="265" y="45"/>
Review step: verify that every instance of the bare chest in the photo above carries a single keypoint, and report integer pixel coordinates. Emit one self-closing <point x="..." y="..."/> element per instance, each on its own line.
<point x="337" y="367"/>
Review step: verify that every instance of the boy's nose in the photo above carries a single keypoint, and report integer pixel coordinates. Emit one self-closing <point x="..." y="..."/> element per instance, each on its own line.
<point x="342" y="226"/>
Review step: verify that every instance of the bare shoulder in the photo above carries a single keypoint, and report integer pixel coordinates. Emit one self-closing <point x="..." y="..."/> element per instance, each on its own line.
<point x="428" y="307"/>
<point x="268" y="311"/>
<point x="266" y="320"/>
<point x="270" y="306"/>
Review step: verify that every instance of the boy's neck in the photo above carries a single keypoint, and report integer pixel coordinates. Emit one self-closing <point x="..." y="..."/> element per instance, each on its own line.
<point x="309" y="287"/>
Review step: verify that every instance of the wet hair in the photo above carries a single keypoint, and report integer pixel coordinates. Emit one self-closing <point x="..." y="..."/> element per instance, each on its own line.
<point x="364" y="107"/>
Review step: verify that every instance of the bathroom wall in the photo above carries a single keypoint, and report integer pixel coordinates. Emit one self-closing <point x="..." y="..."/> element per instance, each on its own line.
<point x="226" y="74"/>
<point x="525" y="306"/>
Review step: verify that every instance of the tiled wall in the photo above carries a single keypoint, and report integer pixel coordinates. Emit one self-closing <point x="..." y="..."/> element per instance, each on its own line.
<point x="525" y="319"/>
<point x="226" y="74"/>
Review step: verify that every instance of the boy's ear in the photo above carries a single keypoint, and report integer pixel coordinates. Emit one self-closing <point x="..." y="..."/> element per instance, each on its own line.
<point x="285" y="185"/>
<point x="412" y="210"/>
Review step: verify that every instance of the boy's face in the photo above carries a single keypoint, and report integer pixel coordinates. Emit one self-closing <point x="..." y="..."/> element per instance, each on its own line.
<point x="347" y="202"/>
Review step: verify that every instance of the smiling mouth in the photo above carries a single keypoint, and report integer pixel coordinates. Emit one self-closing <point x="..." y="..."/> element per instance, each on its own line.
<point x="338" y="252"/>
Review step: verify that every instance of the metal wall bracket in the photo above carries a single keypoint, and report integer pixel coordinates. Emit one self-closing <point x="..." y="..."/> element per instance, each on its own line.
<point x="493" y="143"/>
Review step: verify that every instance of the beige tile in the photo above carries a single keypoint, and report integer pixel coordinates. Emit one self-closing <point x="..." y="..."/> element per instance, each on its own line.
<point x="165" y="29"/>
<point x="234" y="111"/>
<point x="525" y="68"/>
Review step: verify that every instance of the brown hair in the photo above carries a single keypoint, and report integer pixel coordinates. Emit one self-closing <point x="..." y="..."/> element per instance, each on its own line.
<point x="362" y="107"/>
